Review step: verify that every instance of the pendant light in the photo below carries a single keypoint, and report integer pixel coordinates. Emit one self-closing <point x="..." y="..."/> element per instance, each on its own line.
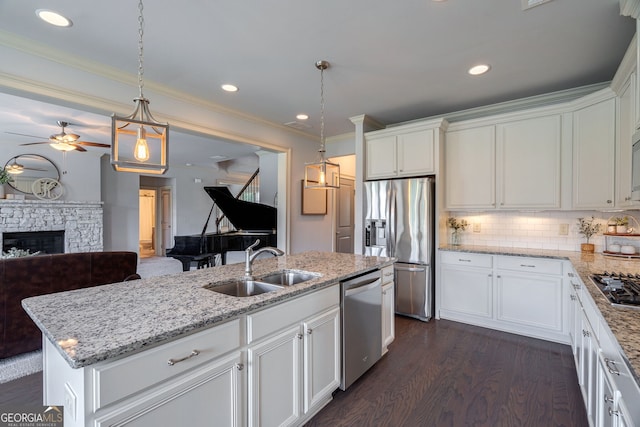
<point x="139" y="143"/>
<point x="321" y="174"/>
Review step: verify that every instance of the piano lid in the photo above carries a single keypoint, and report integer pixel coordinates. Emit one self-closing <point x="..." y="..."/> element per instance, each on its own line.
<point x="243" y="215"/>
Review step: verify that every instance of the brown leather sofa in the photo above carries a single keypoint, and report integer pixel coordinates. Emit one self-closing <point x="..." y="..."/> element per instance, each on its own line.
<point x="44" y="274"/>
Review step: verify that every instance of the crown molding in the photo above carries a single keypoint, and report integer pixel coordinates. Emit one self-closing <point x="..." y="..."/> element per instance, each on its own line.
<point x="107" y="72"/>
<point x="630" y="8"/>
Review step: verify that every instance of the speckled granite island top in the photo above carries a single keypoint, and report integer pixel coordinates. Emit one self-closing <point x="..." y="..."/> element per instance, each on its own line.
<point x="623" y="322"/>
<point x="99" y="323"/>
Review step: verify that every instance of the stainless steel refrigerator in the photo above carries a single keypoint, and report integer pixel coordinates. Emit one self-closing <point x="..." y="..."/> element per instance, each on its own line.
<point x="399" y="222"/>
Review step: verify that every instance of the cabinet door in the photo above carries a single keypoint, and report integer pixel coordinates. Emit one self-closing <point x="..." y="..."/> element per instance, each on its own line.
<point x="388" y="316"/>
<point x="470" y="165"/>
<point x="213" y="391"/>
<point x="274" y="368"/>
<point x="533" y="301"/>
<point x="626" y="114"/>
<point x="321" y="357"/>
<point x="380" y="157"/>
<point x="528" y="163"/>
<point x="416" y="153"/>
<point x="593" y="156"/>
<point x="589" y="367"/>
<point x="466" y="291"/>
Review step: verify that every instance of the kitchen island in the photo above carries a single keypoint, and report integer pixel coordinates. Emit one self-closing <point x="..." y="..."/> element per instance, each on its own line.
<point x="101" y="343"/>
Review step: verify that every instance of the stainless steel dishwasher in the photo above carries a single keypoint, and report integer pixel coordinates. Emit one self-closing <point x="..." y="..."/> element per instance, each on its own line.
<point x="361" y="302"/>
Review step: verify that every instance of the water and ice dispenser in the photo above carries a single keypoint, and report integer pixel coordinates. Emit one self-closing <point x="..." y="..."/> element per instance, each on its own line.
<point x="375" y="232"/>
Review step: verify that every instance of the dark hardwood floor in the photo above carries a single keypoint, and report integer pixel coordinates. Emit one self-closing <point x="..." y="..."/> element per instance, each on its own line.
<point x="440" y="374"/>
<point x="444" y="373"/>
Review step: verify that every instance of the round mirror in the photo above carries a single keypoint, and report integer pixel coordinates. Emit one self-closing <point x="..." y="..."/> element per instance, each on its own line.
<point x="25" y="169"/>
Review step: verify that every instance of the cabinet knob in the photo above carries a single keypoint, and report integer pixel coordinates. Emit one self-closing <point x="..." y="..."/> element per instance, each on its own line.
<point x="609" y="201"/>
<point x="612" y="412"/>
<point x="300" y="336"/>
<point x="239" y="366"/>
<point x="608" y="399"/>
<point x="573" y="297"/>
<point x="570" y="274"/>
<point x="626" y="199"/>
<point x="309" y="331"/>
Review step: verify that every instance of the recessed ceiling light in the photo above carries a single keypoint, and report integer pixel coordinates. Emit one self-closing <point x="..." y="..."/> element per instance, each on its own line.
<point x="302" y="117"/>
<point x="53" y="18"/>
<point x="229" y="88"/>
<point x="476" y="70"/>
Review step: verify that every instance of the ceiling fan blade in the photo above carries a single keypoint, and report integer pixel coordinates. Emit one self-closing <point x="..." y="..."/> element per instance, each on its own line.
<point x="79" y="148"/>
<point x="36" y="143"/>
<point x="91" y="144"/>
<point x="24" y="134"/>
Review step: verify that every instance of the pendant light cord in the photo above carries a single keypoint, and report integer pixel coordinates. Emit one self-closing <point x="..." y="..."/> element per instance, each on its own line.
<point x="322" y="150"/>
<point x="140" y="47"/>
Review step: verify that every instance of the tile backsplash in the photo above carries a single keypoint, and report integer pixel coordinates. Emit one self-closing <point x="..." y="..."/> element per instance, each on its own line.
<point x="540" y="230"/>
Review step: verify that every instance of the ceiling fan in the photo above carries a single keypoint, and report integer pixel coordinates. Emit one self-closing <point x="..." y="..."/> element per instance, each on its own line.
<point x="64" y="141"/>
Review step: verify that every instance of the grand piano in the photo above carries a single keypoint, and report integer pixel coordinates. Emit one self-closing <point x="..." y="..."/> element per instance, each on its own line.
<point x="251" y="220"/>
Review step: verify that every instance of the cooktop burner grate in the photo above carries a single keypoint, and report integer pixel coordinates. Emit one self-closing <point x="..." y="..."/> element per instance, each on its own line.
<point x="622" y="290"/>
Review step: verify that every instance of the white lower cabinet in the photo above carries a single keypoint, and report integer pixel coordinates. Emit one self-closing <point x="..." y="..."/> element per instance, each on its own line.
<point x="213" y="391"/>
<point x="293" y="368"/>
<point x="515" y="294"/>
<point x="388" y="307"/>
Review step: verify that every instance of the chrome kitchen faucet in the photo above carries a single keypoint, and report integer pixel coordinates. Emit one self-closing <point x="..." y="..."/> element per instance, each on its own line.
<point x="250" y="255"/>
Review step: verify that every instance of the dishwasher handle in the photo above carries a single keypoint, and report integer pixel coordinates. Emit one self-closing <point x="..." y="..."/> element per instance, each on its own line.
<point x="363" y="287"/>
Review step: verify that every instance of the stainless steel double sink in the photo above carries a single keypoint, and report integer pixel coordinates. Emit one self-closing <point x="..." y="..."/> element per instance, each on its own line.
<point x="269" y="283"/>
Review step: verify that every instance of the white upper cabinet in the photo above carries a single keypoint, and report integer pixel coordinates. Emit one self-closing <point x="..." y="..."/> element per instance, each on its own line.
<point x="402" y="151"/>
<point x="470" y="179"/>
<point x="594" y="130"/>
<point x="510" y="165"/>
<point x="626" y="127"/>
<point x="528" y="163"/>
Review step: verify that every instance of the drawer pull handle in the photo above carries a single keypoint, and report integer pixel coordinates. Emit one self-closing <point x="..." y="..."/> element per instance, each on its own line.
<point x="570" y="274"/>
<point x="528" y="265"/>
<point x="172" y="362"/>
<point x="464" y="260"/>
<point x="612" y="412"/>
<point x="575" y="285"/>
<point x="612" y="370"/>
<point x="608" y="399"/>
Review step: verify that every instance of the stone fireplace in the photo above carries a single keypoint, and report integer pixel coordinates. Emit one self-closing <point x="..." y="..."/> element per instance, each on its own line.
<point x="81" y="223"/>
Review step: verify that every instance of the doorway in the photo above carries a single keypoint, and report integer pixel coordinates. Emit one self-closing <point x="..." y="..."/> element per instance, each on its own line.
<point x="147" y="218"/>
<point x="345" y="201"/>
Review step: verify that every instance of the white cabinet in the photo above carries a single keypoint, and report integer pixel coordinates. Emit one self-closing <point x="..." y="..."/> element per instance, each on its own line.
<point x="626" y="126"/>
<point x="215" y="389"/>
<point x="466" y="291"/>
<point x="388" y="308"/>
<point x="401" y="151"/>
<point x="470" y="160"/>
<point x="293" y="359"/>
<point x="593" y="155"/>
<point x="510" y="165"/>
<point x="515" y="294"/>
<point x="528" y="163"/>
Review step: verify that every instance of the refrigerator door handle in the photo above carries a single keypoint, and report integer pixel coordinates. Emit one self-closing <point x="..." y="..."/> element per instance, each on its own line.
<point x="391" y="223"/>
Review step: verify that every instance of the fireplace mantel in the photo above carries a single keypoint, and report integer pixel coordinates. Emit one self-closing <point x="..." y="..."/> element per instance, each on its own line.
<point x="81" y="221"/>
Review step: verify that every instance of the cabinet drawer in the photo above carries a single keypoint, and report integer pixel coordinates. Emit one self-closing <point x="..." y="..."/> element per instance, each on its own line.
<point x="387" y="274"/>
<point x="466" y="258"/>
<point x="530" y="265"/>
<point x="273" y="319"/>
<point x="115" y="380"/>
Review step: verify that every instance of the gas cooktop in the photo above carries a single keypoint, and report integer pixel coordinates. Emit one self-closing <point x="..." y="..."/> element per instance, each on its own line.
<point x="622" y="290"/>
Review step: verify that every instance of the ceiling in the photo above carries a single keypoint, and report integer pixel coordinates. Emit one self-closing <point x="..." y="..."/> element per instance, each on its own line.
<point x="392" y="61"/>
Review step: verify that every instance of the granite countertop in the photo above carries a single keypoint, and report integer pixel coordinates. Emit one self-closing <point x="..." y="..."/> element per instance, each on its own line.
<point x="99" y="323"/>
<point x="624" y="323"/>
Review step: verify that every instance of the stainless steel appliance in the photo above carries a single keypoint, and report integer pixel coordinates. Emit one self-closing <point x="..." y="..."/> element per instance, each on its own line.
<point x="622" y="290"/>
<point x="361" y="303"/>
<point x="399" y="222"/>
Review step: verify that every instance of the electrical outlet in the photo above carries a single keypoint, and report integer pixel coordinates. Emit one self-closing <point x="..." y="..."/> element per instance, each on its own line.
<point x="564" y="230"/>
<point x="476" y="227"/>
<point x="69" y="402"/>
